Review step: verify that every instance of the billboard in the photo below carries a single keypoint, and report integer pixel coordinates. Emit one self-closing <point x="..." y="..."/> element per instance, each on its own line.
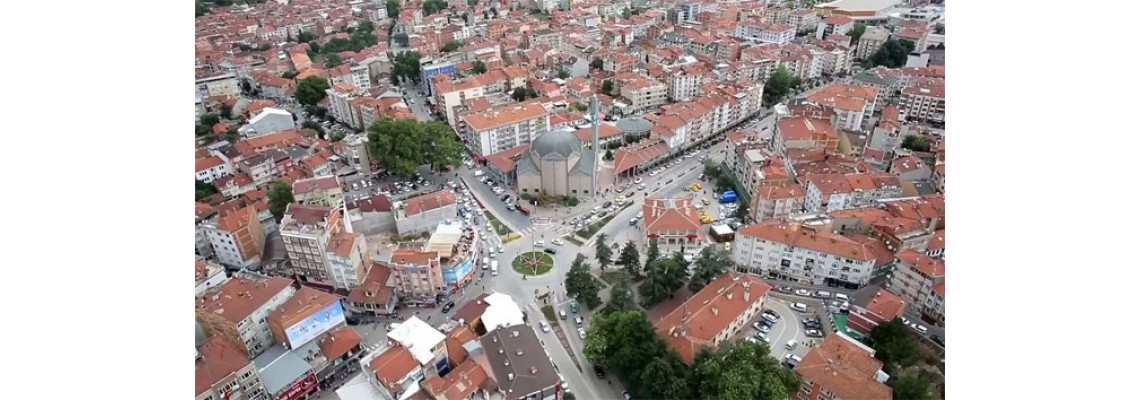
<point x="316" y="324"/>
<point x="460" y="272"/>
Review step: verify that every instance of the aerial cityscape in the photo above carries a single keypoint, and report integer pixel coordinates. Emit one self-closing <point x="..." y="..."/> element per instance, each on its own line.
<point x="561" y="199"/>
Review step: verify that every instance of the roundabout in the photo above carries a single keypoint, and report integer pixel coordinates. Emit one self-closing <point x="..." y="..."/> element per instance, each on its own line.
<point x="532" y="263"/>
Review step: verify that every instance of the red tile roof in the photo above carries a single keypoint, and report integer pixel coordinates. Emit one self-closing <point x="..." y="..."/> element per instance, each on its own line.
<point x="239" y="297"/>
<point x="374" y="289"/>
<point x="312" y="184"/>
<point x="671" y="214"/>
<point x="428" y="202"/>
<point x="459" y="384"/>
<point x="703" y="317"/>
<point x="393" y="365"/>
<point x="338" y="342"/>
<point x="638" y="153"/>
<point x="218" y="360"/>
<point x="845" y="369"/>
<point x="794" y="234"/>
<point x="921" y="262"/>
<point x="303" y="304"/>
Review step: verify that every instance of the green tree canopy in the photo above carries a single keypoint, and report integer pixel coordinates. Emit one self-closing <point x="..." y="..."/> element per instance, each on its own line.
<point x="311" y="90"/>
<point x="406" y="65"/>
<point x="608" y="87"/>
<point x="857" y="32"/>
<point x="209" y="119"/>
<point x="332" y="61"/>
<point x="314" y="126"/>
<point x="916" y="143"/>
<point x="602" y="252"/>
<point x="892" y="54"/>
<point x="280" y="196"/>
<point x="780" y="84"/>
<point x="624" y="342"/>
<point x="433" y="6"/>
<point x="401" y="39"/>
<point x="621" y="295"/>
<point x="451" y="46"/>
<point x="402" y="145"/>
<point x="203" y="190"/>
<point x="563" y="74"/>
<point x="665" y="377"/>
<point x="306" y="37"/>
<point x="910" y="386"/>
<point x="662" y="278"/>
<point x="596" y="64"/>
<point x="893" y="346"/>
<point x="630" y="259"/>
<point x="580" y="283"/>
<point x="743" y="370"/>
<point x="710" y="264"/>
<point x="609" y="156"/>
<point x="653" y="253"/>
<point x="626" y="13"/>
<point x="393" y="8"/>
<point x="479" y="67"/>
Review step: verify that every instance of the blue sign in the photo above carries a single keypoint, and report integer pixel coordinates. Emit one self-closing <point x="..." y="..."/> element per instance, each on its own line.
<point x="460" y="272"/>
<point x="428" y="71"/>
<point x="315" y="325"/>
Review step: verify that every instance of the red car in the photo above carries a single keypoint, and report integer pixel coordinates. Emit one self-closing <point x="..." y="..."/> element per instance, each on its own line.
<point x="524" y="210"/>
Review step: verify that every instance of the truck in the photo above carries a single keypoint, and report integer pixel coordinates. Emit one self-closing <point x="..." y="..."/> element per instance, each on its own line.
<point x="729" y="196"/>
<point x="495" y="268"/>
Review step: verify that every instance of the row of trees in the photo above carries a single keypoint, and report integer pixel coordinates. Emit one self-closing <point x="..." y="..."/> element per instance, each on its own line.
<point x="402" y="145"/>
<point x="406" y="65"/>
<point x="362" y="36"/>
<point x="895" y="347"/>
<point x="627" y="343"/>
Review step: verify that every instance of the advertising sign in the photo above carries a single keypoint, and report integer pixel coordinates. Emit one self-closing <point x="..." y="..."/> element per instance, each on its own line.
<point x="316" y="324"/>
<point x="458" y="273"/>
<point x="299" y="388"/>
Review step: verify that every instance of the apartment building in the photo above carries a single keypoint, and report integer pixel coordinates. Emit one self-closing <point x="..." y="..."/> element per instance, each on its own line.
<point x="881" y="308"/>
<point x="841" y="368"/>
<point x="766" y="32"/>
<point x="424" y="212"/>
<point x="355" y="153"/>
<point x="835" y="25"/>
<point x="449" y="95"/>
<point x="644" y="93"/>
<point x="852" y="104"/>
<point x="778" y="200"/>
<point x="238" y="310"/>
<point x="685" y="81"/>
<point x="260" y="167"/>
<point x="223" y="372"/>
<point x="924" y="99"/>
<point x="346" y="258"/>
<point x="805" y="133"/>
<point x="208" y="275"/>
<point x="324" y="191"/>
<point x="784" y="249"/>
<point x="417" y="277"/>
<point x="504" y="127"/>
<point x="376" y="295"/>
<point x="307" y="231"/>
<point x="308" y="314"/>
<point x="207" y="169"/>
<point x="218" y="85"/>
<point x="519" y="362"/>
<point x="713" y="315"/>
<point x="832" y="192"/>
<point x="674" y="223"/>
<point x="237" y="238"/>
<point x="915" y="278"/>
<point x="872" y="39"/>
<point x="340" y="97"/>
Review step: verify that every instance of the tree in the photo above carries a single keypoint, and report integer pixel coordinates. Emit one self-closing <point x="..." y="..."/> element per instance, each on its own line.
<point x="916" y="143"/>
<point x="662" y="278"/>
<point x="406" y="65"/>
<point x="780" y="84"/>
<point x="579" y="107"/>
<point x="479" y="67"/>
<point x="472" y="3"/>
<point x="451" y="46"/>
<point x="305" y="37"/>
<point x="602" y="252"/>
<point x="653" y="254"/>
<point x="666" y="377"/>
<point x="910" y="387"/>
<point x="742" y="370"/>
<point x="857" y="32"/>
<point x="580" y="283"/>
<point x="710" y="264"/>
<point x="200" y="9"/>
<point x="608" y="87"/>
<point x="609" y="156"/>
<point x="402" y="145"/>
<point x="596" y="64"/>
<point x="563" y="74"/>
<point x="519" y="94"/>
<point x="336" y="136"/>
<point x="621" y="295"/>
<point x="203" y="190"/>
<point x="209" y="119"/>
<point x="630" y="259"/>
<point x="624" y="342"/>
<point x="401" y="39"/>
<point x="314" y="126"/>
<point x="280" y="196"/>
<point x="892" y="54"/>
<point x="893" y="345"/>
<point x="626" y="13"/>
<point x="311" y="90"/>
<point x="741" y="212"/>
<point x="332" y="61"/>
<point x="393" y="8"/>
<point x="433" y="6"/>
<point x="289" y="74"/>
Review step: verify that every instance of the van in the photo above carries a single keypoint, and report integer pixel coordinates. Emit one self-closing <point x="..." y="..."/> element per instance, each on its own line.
<point x="562" y="314"/>
<point x="495" y="268"/>
<point x="486" y="262"/>
<point x="842" y="297"/>
<point x="791" y="345"/>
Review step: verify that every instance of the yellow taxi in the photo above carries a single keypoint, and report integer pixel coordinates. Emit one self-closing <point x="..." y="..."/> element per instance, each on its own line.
<point x="696" y="187"/>
<point x="705" y="200"/>
<point x="705" y="219"/>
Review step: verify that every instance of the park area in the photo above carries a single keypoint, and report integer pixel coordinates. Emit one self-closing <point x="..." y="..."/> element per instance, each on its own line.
<point x="533" y="263"/>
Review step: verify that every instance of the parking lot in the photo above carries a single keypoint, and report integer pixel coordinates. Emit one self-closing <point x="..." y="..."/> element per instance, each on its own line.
<point x="789" y="327"/>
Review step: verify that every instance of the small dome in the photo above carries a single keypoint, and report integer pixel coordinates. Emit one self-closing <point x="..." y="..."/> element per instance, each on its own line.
<point x="561" y="143"/>
<point x="634" y="126"/>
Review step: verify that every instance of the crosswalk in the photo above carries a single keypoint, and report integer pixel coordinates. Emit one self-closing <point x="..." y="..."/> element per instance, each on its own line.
<point x="549" y="230"/>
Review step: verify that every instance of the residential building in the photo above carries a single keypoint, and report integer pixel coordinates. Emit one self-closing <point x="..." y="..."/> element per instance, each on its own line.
<point x="644" y="93"/>
<point x="832" y="192"/>
<point x="208" y="169"/>
<point x="935" y="307"/>
<point x="424" y="212"/>
<point x="208" y="275"/>
<point x="778" y="200"/>
<point x="872" y="39"/>
<point x="789" y="250"/>
<point x="520" y="365"/>
<point x="223" y="372"/>
<point x="340" y="97"/>
<point x="674" y="223"/>
<point x="896" y="231"/>
<point x="287" y="374"/>
<point x="260" y="167"/>
<point x="307" y="315"/>
<point x="237" y="238"/>
<point x="766" y="33"/>
<point x="805" y="133"/>
<point x="426" y="343"/>
<point x="915" y="277"/>
<point x="841" y="368"/>
<point x="503" y="128"/>
<point x="324" y="191"/>
<point x="376" y="295"/>
<point x="853" y="105"/>
<point x="417" y="277"/>
<point x="346" y="259"/>
<point x="910" y="168"/>
<point x="924" y="99"/>
<point x="239" y="309"/>
<point x="836" y="25"/>
<point x="449" y="96"/>
<point x="307" y="231"/>
<point x="355" y="153"/>
<point x="219" y="85"/>
<point x="881" y="308"/>
<point x="455" y="244"/>
<point x="713" y="315"/>
<point x="468" y="378"/>
<point x="269" y="120"/>
<point x="688" y="12"/>
<point x="394" y="373"/>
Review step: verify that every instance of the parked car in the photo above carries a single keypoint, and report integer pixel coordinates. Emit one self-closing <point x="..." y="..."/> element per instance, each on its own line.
<point x="558" y="242"/>
<point x="823" y="294"/>
<point x="918" y="327"/>
<point x="801" y="307"/>
<point x="447" y="307"/>
<point x="813" y="333"/>
<point x="582" y="333"/>
<point x="574" y="307"/>
<point x="545" y="326"/>
<point x="599" y="372"/>
<point x="803" y="292"/>
<point x="938" y="339"/>
<point x="579" y="321"/>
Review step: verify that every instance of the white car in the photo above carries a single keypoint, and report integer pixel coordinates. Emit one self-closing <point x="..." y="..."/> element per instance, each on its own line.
<point x="557" y="242"/>
<point x="500" y="248"/>
<point x="803" y="292"/>
<point x="638" y="180"/>
<point x="545" y="326"/>
<point x="801" y="307"/>
<point x="582" y="333"/>
<point x="653" y="173"/>
<point x="539" y="243"/>
<point x="918" y="327"/>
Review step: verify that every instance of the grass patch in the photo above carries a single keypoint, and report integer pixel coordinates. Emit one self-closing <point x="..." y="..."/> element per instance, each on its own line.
<point x="574" y="239"/>
<point x="501" y="229"/>
<point x="613" y="276"/>
<point x="524" y="263"/>
<point x="548" y="312"/>
<point x="593" y="228"/>
<point x="512" y="237"/>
